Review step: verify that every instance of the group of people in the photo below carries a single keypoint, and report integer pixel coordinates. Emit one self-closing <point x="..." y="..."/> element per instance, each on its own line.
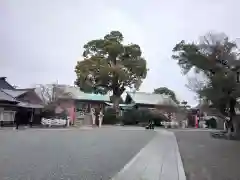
<point x="100" y="116"/>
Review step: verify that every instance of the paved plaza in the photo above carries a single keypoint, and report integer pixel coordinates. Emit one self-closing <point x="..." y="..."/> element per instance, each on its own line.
<point x="89" y="154"/>
<point x="72" y="154"/>
<point x="159" y="160"/>
<point x="207" y="158"/>
<point x="116" y="153"/>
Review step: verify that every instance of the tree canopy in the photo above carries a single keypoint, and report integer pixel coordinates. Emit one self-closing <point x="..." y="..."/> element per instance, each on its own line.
<point x="110" y="66"/>
<point x="166" y="91"/>
<point x="211" y="59"/>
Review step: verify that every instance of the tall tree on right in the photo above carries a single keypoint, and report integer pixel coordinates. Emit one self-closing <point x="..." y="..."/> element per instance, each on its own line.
<point x="213" y="57"/>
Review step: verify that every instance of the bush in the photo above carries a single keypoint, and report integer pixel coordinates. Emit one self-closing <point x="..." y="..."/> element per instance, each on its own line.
<point x="133" y="117"/>
<point x="48" y="113"/>
<point x="110" y="116"/>
<point x="51" y="114"/>
<point x="141" y="116"/>
<point x="211" y="123"/>
<point x="129" y="117"/>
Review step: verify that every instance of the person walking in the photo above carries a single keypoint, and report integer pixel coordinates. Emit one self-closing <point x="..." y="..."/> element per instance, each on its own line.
<point x="31" y="120"/>
<point x="17" y="122"/>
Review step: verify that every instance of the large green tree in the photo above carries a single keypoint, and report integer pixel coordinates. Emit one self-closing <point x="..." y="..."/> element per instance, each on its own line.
<point x="167" y="91"/>
<point x="108" y="65"/>
<point x="214" y="57"/>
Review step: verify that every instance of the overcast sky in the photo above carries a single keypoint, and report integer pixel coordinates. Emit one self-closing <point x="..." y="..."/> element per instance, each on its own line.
<point x="41" y="40"/>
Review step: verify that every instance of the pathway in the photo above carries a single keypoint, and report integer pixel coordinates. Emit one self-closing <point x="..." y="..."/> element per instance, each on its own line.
<point x="158" y="160"/>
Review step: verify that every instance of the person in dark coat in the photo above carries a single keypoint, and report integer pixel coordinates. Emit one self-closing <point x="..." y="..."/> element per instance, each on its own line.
<point x="150" y="125"/>
<point x="17" y="122"/>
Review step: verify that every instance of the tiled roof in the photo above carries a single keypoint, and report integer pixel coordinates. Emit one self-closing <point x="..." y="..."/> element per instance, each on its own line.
<point x="151" y="99"/>
<point x="14" y="93"/>
<point x="30" y="105"/>
<point x="6" y="97"/>
<point x="4" y="84"/>
<point x="11" y="95"/>
<point x="75" y="93"/>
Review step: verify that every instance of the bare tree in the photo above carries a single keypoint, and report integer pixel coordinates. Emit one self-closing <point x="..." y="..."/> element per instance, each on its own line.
<point x="197" y="82"/>
<point x="49" y="93"/>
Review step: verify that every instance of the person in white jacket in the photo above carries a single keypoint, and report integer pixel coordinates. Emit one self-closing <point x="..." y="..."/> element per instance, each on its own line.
<point x="93" y="113"/>
<point x="100" y="118"/>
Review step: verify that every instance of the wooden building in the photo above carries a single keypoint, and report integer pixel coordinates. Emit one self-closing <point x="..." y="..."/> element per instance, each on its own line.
<point x="151" y="100"/>
<point x="162" y="103"/>
<point x="21" y="104"/>
<point x="78" y="104"/>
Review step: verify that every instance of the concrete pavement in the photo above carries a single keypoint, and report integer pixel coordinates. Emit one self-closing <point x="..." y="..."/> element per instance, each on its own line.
<point x="158" y="160"/>
<point x="92" y="154"/>
<point x="71" y="154"/>
<point x="207" y="158"/>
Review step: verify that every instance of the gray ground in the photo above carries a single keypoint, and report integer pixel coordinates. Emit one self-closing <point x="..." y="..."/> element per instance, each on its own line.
<point x="206" y="158"/>
<point x="67" y="154"/>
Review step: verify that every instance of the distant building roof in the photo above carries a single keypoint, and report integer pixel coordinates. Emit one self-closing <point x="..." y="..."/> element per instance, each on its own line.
<point x="11" y="95"/>
<point x="30" y="105"/>
<point x="14" y="93"/>
<point x="151" y="99"/>
<point x="6" y="97"/>
<point x="75" y="93"/>
<point x="4" y="84"/>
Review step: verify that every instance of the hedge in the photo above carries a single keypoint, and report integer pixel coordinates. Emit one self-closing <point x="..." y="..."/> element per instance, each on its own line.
<point x="110" y="116"/>
<point x="132" y="117"/>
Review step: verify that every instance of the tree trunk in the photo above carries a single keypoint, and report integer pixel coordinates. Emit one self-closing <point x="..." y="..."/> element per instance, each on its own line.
<point x="116" y="97"/>
<point x="116" y="101"/>
<point x="236" y="126"/>
<point x="233" y="129"/>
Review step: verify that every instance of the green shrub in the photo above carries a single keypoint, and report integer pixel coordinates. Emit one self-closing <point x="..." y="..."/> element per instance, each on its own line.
<point x="51" y="114"/>
<point x="48" y="113"/>
<point x="141" y="116"/>
<point x="211" y="123"/>
<point x="110" y="116"/>
<point x="132" y="117"/>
